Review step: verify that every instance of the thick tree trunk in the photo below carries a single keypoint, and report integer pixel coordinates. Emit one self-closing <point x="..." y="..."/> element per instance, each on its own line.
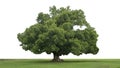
<point x="56" y="58"/>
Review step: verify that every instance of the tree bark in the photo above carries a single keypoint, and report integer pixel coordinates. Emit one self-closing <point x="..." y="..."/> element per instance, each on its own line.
<point x="56" y="58"/>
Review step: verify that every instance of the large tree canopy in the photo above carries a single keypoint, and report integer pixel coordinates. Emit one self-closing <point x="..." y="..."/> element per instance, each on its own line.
<point x="54" y="33"/>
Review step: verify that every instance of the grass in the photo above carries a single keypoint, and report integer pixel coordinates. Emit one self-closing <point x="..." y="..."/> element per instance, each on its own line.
<point x="68" y="63"/>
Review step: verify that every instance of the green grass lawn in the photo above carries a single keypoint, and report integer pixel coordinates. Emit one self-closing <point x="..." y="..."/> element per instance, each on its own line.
<point x="68" y="63"/>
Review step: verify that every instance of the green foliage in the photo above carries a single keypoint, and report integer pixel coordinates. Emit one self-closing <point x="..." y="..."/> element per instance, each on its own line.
<point x="54" y="33"/>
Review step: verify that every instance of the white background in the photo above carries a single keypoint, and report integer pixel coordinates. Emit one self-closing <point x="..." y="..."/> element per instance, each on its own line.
<point x="16" y="15"/>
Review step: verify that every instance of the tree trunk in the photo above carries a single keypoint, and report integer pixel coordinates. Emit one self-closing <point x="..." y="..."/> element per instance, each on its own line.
<point x="56" y="58"/>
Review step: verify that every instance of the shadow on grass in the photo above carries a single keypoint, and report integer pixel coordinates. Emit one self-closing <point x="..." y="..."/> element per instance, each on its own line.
<point x="45" y="61"/>
<point x="65" y="61"/>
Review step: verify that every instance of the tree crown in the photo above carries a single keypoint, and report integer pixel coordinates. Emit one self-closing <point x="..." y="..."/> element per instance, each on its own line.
<point x="54" y="33"/>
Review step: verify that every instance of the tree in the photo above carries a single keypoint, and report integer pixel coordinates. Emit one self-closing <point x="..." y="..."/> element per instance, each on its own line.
<point x="54" y="33"/>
